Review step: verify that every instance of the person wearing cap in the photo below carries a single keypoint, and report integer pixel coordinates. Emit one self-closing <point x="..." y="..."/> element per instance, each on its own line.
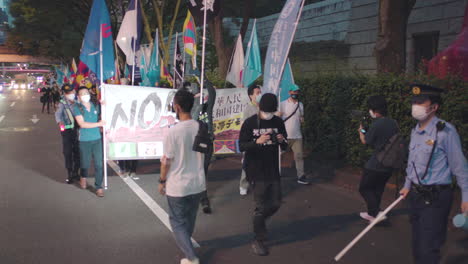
<point x="69" y="131"/>
<point x="87" y="115"/>
<point x="292" y="112"/>
<point x="254" y="92"/>
<point x="435" y="158"/>
<point x="259" y="138"/>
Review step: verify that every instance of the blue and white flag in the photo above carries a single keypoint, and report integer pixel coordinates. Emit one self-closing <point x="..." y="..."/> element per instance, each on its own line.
<point x="253" y="61"/>
<point x="287" y="83"/>
<point x="280" y="43"/>
<point x="129" y="35"/>
<point x="99" y="29"/>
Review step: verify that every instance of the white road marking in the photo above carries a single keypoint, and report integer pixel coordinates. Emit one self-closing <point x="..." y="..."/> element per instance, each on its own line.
<point x="12" y="104"/>
<point x="152" y="205"/>
<point x="1" y="118"/>
<point x="34" y="119"/>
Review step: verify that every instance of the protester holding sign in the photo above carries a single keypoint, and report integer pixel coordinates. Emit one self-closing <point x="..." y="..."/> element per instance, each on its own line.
<point x="87" y="115"/>
<point x="259" y="137"/>
<point x="182" y="177"/>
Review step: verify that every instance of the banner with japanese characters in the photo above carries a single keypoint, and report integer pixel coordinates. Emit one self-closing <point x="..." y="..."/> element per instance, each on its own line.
<point x="137" y="120"/>
<point x="227" y="119"/>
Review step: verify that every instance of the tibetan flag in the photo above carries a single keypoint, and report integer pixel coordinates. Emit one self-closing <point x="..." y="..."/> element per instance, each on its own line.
<point x="190" y="38"/>
<point x="99" y="34"/>
<point x="129" y="35"/>
<point x="287" y="82"/>
<point x="253" y="60"/>
<point x="165" y="74"/>
<point x="74" y="68"/>
<point x="234" y="74"/>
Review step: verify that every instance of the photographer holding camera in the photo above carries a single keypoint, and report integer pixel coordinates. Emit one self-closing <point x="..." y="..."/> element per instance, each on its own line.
<point x="375" y="175"/>
<point x="259" y="137"/>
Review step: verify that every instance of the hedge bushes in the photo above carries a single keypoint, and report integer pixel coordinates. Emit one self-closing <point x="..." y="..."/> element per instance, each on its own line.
<point x="329" y="99"/>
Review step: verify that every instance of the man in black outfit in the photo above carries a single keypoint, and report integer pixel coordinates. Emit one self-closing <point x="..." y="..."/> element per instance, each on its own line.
<point x="375" y="175"/>
<point x="259" y="137"/>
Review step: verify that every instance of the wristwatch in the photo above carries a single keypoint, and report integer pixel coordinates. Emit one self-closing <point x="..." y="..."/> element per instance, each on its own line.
<point x="162" y="181"/>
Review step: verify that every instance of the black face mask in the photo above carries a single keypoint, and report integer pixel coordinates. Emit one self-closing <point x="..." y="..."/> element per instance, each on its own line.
<point x="295" y="96"/>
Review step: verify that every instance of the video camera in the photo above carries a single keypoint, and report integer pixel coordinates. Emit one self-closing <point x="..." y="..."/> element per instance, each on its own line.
<point x="363" y="118"/>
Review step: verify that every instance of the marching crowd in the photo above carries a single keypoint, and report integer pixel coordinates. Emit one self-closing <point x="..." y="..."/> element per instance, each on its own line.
<point x="435" y="161"/>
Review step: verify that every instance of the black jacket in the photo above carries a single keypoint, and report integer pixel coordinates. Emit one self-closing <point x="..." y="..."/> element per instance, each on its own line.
<point x="261" y="162"/>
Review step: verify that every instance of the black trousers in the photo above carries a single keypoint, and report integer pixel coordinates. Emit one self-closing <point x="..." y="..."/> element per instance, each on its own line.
<point x="71" y="150"/>
<point x="128" y="165"/>
<point x="267" y="197"/>
<point x="372" y="187"/>
<point x="204" y="201"/>
<point x="429" y="225"/>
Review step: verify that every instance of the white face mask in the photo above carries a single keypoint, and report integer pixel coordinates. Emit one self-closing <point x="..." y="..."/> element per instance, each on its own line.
<point x="266" y="116"/>
<point x="419" y="112"/>
<point x="85" y="98"/>
<point x="70" y="97"/>
<point x="257" y="99"/>
<point x="372" y="114"/>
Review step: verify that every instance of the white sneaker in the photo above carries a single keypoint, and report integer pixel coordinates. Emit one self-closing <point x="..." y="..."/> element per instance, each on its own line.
<point x="366" y="216"/>
<point x="187" y="261"/>
<point x="242" y="191"/>
<point x="134" y="176"/>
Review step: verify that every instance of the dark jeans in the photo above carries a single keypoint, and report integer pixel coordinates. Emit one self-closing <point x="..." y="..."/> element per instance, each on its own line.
<point x="372" y="187"/>
<point x="71" y="150"/>
<point x="128" y="165"/>
<point x="88" y="150"/>
<point x="182" y="216"/>
<point x="429" y="225"/>
<point x="267" y="197"/>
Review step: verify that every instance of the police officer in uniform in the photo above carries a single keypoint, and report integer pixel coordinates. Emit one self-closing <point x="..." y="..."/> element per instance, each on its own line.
<point x="69" y="130"/>
<point x="435" y="158"/>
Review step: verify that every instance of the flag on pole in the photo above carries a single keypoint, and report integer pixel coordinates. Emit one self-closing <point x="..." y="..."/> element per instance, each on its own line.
<point x="190" y="38"/>
<point x="234" y="74"/>
<point x="60" y="74"/>
<point x="74" y="68"/>
<point x="166" y="75"/>
<point x="154" y="73"/>
<point x="253" y="60"/>
<point x="179" y="64"/>
<point x="287" y="82"/>
<point x="280" y="43"/>
<point x="99" y="28"/>
<point x="129" y="35"/>
<point x="197" y="9"/>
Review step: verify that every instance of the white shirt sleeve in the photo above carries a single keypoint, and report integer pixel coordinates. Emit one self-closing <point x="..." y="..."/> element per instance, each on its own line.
<point x="301" y="109"/>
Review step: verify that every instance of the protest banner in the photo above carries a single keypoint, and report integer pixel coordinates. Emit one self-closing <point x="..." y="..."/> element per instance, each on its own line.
<point x="137" y="120"/>
<point x="227" y="119"/>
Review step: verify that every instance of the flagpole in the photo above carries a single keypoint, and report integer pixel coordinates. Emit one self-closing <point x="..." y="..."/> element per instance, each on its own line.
<point x="104" y="143"/>
<point x="203" y="52"/>
<point x="175" y="59"/>
<point x="183" y="64"/>
<point x="290" y="43"/>
<point x="134" y="62"/>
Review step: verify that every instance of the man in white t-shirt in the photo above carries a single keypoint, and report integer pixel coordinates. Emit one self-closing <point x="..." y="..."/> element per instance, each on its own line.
<point x="182" y="177"/>
<point x="292" y="112"/>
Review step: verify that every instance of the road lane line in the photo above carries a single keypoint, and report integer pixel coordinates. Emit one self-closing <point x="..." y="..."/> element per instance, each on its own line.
<point x="1" y="118"/>
<point x="12" y="104"/>
<point x="152" y="205"/>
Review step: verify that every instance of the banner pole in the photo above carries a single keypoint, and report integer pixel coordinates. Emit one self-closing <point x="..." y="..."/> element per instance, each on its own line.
<point x="134" y="62"/>
<point x="104" y="144"/>
<point x="175" y="60"/>
<point x="202" y="77"/>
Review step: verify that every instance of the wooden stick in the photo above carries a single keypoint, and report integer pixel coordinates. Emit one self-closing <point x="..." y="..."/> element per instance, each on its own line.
<point x="372" y="224"/>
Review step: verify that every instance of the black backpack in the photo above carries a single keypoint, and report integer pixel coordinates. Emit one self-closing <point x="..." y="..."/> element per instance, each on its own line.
<point x="393" y="154"/>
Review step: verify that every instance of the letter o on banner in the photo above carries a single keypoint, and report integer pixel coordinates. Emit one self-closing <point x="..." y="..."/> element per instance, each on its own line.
<point x="157" y="111"/>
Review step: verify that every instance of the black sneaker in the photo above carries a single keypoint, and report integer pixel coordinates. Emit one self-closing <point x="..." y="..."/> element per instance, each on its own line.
<point x="206" y="209"/>
<point x="303" y="180"/>
<point x="259" y="248"/>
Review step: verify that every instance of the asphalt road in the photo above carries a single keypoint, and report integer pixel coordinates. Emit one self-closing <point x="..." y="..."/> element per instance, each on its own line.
<point x="45" y="221"/>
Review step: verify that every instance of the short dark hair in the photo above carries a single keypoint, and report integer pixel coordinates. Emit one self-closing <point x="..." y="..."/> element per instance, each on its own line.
<point x="185" y="100"/>
<point x="377" y="103"/>
<point x="251" y="89"/>
<point x="82" y="88"/>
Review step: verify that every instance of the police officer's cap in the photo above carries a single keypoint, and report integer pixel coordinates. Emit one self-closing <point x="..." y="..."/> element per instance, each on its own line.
<point x="67" y="88"/>
<point x="422" y="92"/>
